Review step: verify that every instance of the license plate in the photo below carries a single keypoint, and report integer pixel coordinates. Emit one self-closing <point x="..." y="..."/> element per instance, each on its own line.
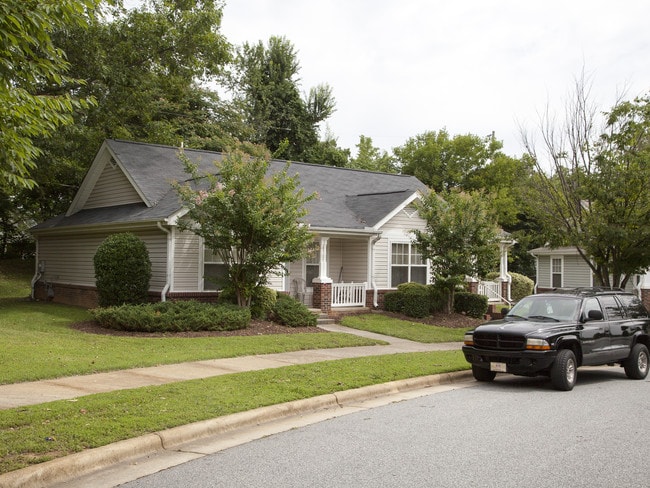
<point x="498" y="367"/>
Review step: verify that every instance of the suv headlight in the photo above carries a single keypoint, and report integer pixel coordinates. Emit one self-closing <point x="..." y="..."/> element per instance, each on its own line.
<point x="537" y="345"/>
<point x="469" y="339"/>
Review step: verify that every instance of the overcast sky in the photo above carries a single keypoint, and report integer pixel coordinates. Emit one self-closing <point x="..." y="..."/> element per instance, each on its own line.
<point x="400" y="68"/>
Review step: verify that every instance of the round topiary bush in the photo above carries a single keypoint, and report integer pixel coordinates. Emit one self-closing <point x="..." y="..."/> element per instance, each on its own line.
<point x="521" y="287"/>
<point x="122" y="270"/>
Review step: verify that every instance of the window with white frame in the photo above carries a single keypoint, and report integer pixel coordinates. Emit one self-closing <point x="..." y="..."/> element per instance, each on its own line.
<point x="312" y="263"/>
<point x="556" y="272"/>
<point x="215" y="271"/>
<point x="406" y="264"/>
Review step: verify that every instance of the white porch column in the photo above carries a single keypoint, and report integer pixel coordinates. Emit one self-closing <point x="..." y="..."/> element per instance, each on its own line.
<point x="323" y="266"/>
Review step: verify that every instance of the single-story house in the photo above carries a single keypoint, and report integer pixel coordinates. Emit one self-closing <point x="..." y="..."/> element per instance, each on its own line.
<point x="361" y="222"/>
<point x="563" y="267"/>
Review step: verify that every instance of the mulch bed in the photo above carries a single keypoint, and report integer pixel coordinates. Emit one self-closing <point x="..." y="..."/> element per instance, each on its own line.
<point x="262" y="327"/>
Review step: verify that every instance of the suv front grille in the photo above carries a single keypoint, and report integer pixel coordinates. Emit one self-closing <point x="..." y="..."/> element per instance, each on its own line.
<point x="499" y="341"/>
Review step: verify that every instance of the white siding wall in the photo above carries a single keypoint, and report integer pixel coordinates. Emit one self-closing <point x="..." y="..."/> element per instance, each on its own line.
<point x="187" y="252"/>
<point x="354" y="261"/>
<point x="398" y="229"/>
<point x="112" y="188"/>
<point x="69" y="259"/>
<point x="544" y="272"/>
<point x="575" y="273"/>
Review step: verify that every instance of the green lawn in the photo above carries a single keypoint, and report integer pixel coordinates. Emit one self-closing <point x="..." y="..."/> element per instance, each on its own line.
<point x="414" y="331"/>
<point x="38" y="342"/>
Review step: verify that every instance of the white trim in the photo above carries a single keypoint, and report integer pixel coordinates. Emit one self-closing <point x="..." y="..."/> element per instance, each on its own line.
<point x="390" y="262"/>
<point x="414" y="196"/>
<point x="561" y="258"/>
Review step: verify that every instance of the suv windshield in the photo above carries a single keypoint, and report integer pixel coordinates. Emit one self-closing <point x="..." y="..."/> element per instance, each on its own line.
<point x="540" y="307"/>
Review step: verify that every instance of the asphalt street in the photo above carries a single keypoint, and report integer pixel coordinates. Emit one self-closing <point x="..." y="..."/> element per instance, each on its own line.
<point x="514" y="432"/>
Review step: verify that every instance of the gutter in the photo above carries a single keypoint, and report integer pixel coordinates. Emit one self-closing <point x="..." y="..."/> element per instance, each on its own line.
<point x="37" y="274"/>
<point x="371" y="269"/>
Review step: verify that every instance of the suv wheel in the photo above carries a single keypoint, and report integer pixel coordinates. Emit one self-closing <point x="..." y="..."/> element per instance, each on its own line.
<point x="636" y="365"/>
<point x="563" y="371"/>
<point x="482" y="374"/>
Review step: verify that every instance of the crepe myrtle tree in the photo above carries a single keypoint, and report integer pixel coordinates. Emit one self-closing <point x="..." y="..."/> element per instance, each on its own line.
<point x="460" y="238"/>
<point x="250" y="217"/>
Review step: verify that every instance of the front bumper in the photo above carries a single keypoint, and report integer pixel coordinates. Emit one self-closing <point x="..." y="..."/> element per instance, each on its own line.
<point x="526" y="363"/>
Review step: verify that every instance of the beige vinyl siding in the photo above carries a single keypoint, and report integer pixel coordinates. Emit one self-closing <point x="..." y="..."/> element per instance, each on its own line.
<point x="187" y="252"/>
<point x="575" y="272"/>
<point x="397" y="229"/>
<point x="354" y="261"/>
<point x="112" y="188"/>
<point x="544" y="271"/>
<point x="69" y="259"/>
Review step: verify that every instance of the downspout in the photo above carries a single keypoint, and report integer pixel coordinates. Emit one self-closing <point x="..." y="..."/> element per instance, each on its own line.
<point x="37" y="274"/>
<point x="371" y="269"/>
<point x="169" y="270"/>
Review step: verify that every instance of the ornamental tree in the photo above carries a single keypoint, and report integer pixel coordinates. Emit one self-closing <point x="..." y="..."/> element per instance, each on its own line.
<point x="249" y="215"/>
<point x="460" y="238"/>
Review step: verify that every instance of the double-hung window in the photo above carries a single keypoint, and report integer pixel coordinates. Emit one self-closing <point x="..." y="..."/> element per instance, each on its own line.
<point x="556" y="272"/>
<point x="215" y="271"/>
<point x="406" y="264"/>
<point x="312" y="263"/>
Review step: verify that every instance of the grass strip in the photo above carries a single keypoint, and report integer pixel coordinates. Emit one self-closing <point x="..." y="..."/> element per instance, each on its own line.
<point x="34" y="434"/>
<point x="38" y="343"/>
<point x="414" y="331"/>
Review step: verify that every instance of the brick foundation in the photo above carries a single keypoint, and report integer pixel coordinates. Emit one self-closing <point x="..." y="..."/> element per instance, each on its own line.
<point x="322" y="298"/>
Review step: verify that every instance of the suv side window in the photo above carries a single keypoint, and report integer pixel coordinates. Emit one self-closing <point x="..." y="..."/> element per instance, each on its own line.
<point x="633" y="306"/>
<point x="611" y="306"/>
<point x="590" y="304"/>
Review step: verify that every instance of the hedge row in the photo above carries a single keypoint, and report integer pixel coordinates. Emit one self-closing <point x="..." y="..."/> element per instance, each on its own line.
<point x="173" y="317"/>
<point x="418" y="301"/>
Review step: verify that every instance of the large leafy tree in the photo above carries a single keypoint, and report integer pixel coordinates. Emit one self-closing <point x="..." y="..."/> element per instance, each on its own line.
<point x="590" y="187"/>
<point x="31" y="67"/>
<point x="250" y="217"/>
<point x="266" y="86"/>
<point x="460" y="238"/>
<point x="372" y="158"/>
<point x="144" y="68"/>
<point x="444" y="162"/>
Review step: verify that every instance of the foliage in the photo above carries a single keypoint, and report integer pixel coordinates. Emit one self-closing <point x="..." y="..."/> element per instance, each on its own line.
<point x="327" y="152"/>
<point x="173" y="317"/>
<point x="372" y="158"/>
<point x="122" y="270"/>
<point x="29" y="62"/>
<point x="443" y="162"/>
<point x="289" y="311"/>
<point x="460" y="238"/>
<point x="470" y="304"/>
<point x="393" y="301"/>
<point x="248" y="217"/>
<point x="413" y="331"/>
<point x="590" y="186"/>
<point x="265" y="83"/>
<point x="416" y="303"/>
<point x="263" y="301"/>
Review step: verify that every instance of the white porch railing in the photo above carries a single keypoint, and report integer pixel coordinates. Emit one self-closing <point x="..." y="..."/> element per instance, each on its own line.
<point x="349" y="294"/>
<point x="490" y="289"/>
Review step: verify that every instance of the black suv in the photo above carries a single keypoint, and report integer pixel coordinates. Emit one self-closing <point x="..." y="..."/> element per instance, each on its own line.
<point x="554" y="333"/>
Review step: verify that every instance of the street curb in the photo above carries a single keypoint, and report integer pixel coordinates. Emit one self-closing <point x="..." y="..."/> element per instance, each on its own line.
<point x="86" y="462"/>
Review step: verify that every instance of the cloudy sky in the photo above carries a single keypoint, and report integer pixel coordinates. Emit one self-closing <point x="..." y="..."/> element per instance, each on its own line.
<point x="398" y="69"/>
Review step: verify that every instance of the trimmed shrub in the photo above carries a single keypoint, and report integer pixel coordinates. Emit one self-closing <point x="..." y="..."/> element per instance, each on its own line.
<point x="264" y="299"/>
<point x="122" y="270"/>
<point x="416" y="302"/>
<point x="522" y="286"/>
<point x="411" y="286"/>
<point x="394" y="301"/>
<point x="437" y="298"/>
<point x="173" y="317"/>
<point x="289" y="311"/>
<point x="470" y="304"/>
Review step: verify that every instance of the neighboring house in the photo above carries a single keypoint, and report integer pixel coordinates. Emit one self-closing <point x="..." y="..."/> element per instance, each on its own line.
<point x="563" y="267"/>
<point x="362" y="223"/>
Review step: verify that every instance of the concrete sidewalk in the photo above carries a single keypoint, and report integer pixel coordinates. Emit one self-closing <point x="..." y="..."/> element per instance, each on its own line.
<point x="35" y="392"/>
<point x="127" y="460"/>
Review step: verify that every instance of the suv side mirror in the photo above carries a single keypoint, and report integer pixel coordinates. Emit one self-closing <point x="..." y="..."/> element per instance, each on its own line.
<point x="595" y="315"/>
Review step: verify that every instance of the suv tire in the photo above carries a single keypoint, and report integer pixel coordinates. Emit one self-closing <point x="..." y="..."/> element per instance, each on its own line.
<point x="636" y="365"/>
<point x="482" y="374"/>
<point x="564" y="370"/>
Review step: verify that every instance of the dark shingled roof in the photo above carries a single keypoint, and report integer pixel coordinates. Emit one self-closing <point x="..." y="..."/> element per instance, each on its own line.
<point x="348" y="199"/>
